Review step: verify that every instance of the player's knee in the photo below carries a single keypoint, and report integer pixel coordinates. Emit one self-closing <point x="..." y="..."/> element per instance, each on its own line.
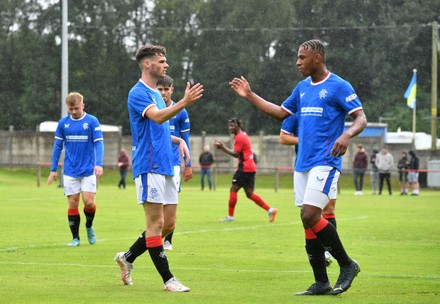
<point x="310" y="219"/>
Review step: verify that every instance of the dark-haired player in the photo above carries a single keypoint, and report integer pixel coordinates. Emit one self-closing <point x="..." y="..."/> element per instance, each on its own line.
<point x="323" y="100"/>
<point x="153" y="166"/>
<point x="244" y="177"/>
<point x="289" y="137"/>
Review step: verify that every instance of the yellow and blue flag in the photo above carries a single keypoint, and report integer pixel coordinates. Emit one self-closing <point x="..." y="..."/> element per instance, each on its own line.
<point x="411" y="91"/>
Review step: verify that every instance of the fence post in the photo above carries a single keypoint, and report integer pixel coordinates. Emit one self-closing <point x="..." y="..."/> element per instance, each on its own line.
<point x="11" y="143"/>
<point x="38" y="175"/>
<point x="276" y="180"/>
<point x="214" y="182"/>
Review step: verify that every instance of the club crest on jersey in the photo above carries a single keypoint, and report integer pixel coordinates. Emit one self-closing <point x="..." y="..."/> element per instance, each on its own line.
<point x="154" y="194"/>
<point x="85" y="126"/>
<point x="323" y="94"/>
<point x="66" y="125"/>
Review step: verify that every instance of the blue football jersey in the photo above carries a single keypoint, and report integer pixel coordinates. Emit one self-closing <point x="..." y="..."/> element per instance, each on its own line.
<point x="180" y="127"/>
<point x="151" y="148"/>
<point x="79" y="137"/>
<point x="290" y="126"/>
<point x="322" y="107"/>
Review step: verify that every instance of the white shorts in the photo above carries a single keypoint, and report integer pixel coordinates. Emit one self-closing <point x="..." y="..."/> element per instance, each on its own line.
<point x="156" y="188"/>
<point x="316" y="186"/>
<point x="176" y="177"/>
<point x="75" y="185"/>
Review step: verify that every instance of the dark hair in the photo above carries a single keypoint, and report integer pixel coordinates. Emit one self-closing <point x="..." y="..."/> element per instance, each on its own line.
<point x="235" y="120"/>
<point x="165" y="81"/>
<point x="149" y="51"/>
<point x="315" y="45"/>
<point x="375" y="151"/>
<point x="411" y="152"/>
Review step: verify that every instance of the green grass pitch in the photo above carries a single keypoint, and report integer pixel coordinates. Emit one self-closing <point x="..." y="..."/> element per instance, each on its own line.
<point x="395" y="239"/>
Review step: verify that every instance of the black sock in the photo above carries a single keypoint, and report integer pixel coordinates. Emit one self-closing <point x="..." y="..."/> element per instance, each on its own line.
<point x="169" y="236"/>
<point x="315" y="252"/>
<point x="138" y="248"/>
<point x="160" y="261"/>
<point x="89" y="217"/>
<point x="74" y="221"/>
<point x="330" y="238"/>
<point x="332" y="220"/>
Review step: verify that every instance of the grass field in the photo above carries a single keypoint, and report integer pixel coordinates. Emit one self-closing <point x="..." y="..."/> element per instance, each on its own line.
<point x="395" y="239"/>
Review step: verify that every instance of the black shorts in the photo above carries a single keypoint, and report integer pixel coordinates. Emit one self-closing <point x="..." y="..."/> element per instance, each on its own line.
<point x="403" y="176"/>
<point x="244" y="179"/>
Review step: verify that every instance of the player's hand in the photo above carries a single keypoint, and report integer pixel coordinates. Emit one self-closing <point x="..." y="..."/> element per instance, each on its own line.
<point x="218" y="144"/>
<point x="192" y="94"/>
<point x="241" y="86"/>
<point x="52" y="177"/>
<point x="187" y="174"/>
<point x="340" y="146"/>
<point x="98" y="172"/>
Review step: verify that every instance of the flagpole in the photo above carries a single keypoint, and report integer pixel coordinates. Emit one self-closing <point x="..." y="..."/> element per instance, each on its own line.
<point x="434" y="86"/>
<point x="414" y="119"/>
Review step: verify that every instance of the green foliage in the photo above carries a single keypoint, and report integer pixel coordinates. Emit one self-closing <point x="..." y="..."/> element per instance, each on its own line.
<point x="374" y="45"/>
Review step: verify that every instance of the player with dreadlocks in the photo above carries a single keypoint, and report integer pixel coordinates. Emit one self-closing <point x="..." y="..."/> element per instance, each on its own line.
<point x="323" y="100"/>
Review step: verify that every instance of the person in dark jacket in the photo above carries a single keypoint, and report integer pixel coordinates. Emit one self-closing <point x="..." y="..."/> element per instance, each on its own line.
<point x="360" y="164"/>
<point x="123" y="163"/>
<point x="402" y="166"/>
<point x="374" y="174"/>
<point x="413" y="174"/>
<point x="206" y="160"/>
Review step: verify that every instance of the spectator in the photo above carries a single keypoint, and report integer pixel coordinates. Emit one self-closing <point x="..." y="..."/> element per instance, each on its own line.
<point x="374" y="171"/>
<point x="123" y="163"/>
<point x="206" y="160"/>
<point x="402" y="166"/>
<point x="384" y="162"/>
<point x="413" y="174"/>
<point x="360" y="164"/>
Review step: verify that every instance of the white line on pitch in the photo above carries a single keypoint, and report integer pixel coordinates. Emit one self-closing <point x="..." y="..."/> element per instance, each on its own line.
<point x="179" y="233"/>
<point x="217" y="268"/>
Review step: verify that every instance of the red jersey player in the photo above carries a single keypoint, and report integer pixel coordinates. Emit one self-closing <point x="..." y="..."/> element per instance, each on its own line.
<point x="244" y="177"/>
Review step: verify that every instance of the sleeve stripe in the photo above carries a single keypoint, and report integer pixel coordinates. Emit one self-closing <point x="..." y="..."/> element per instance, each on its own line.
<point x="287" y="110"/>
<point x="355" y="109"/>
<point x="147" y="108"/>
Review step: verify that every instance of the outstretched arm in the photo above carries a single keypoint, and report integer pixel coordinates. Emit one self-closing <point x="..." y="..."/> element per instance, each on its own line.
<point x="242" y="88"/>
<point x="221" y="146"/>
<point x="192" y="94"/>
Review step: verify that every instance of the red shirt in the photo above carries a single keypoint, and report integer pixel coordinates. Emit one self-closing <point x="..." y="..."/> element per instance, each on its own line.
<point x="242" y="145"/>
